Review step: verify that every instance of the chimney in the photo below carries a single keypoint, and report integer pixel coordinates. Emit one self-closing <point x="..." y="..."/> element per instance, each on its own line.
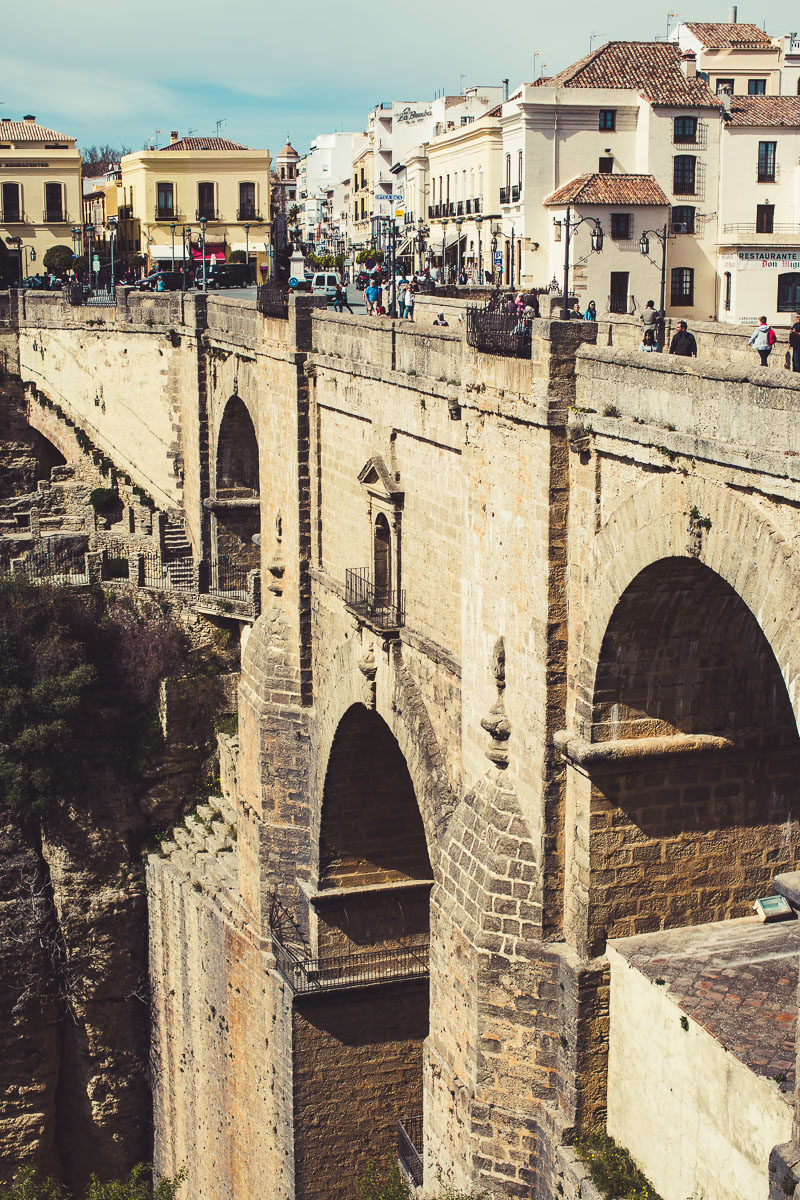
<point x="28" y="117"/>
<point x="733" y="14"/>
<point x="505" y="90"/>
<point x="689" y="64"/>
<point x="173" y="136"/>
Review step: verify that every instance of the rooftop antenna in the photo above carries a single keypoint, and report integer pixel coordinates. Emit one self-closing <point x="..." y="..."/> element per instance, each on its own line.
<point x="592" y="36"/>
<point x="189" y="132"/>
<point x="670" y="14"/>
<point x="461" y="78"/>
<point x="222" y="121"/>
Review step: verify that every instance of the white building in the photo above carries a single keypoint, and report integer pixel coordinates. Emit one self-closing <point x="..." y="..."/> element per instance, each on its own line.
<point x="327" y="162"/>
<point x="629" y="109"/>
<point x="759" y="209"/>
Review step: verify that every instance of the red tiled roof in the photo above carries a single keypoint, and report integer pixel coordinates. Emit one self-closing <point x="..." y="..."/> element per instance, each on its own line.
<point x="718" y="35"/>
<point x="609" y="189"/>
<point x="764" y="110"/>
<point x="288" y="151"/>
<point x="29" y="131"/>
<point x="651" y="68"/>
<point x="204" y="143"/>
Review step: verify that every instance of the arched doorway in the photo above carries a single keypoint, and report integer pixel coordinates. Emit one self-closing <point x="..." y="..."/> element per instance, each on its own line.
<point x="690" y="813"/>
<point x="236" y="503"/>
<point x="382" y="562"/>
<point x="358" y="1049"/>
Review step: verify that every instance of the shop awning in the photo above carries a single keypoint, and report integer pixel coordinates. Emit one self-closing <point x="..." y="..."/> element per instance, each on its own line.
<point x="160" y="253"/>
<point x="214" y="250"/>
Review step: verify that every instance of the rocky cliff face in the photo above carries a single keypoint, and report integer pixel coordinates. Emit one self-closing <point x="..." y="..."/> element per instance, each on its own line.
<point x="74" y="996"/>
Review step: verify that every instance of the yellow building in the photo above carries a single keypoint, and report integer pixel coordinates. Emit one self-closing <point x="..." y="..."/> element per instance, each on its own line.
<point x="736" y="58"/>
<point x="195" y="183"/>
<point x="40" y="190"/>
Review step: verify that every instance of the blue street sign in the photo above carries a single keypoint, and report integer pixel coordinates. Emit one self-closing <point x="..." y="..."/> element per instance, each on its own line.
<point x="293" y="282"/>
<point x="498" y="258"/>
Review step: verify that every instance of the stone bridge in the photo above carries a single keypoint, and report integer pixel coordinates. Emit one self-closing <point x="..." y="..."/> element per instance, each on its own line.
<point x="526" y="681"/>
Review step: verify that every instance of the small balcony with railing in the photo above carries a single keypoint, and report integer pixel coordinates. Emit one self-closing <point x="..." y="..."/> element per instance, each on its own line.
<point x="206" y="212"/>
<point x="248" y="213"/>
<point x="56" y="215"/>
<point x="163" y="212"/>
<point x="376" y="606"/>
<point x="752" y="233"/>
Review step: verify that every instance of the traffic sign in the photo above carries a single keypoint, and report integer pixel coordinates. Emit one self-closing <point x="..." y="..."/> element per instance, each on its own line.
<point x="369" y="263"/>
<point x="498" y="258"/>
<point x="294" y="282"/>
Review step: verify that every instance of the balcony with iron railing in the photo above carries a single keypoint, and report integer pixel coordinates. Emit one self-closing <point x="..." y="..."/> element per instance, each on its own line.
<point x="248" y="214"/>
<point x="377" y="609"/>
<point x="15" y="216"/>
<point x="56" y="216"/>
<point x="736" y="233"/>
<point x="162" y="213"/>
<point x="206" y="213"/>
<point x="505" y="195"/>
<point x="409" y="1147"/>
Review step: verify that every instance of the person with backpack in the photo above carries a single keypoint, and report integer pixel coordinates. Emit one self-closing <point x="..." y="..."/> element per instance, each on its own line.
<point x="794" y="342"/>
<point x="764" y="338"/>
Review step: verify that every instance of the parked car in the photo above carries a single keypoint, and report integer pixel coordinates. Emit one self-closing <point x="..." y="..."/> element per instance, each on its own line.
<point x="219" y="275"/>
<point x="325" y="283"/>
<point x="172" y="281"/>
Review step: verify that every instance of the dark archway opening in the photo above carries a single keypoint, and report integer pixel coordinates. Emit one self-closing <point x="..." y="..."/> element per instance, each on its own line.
<point x="681" y="836"/>
<point x="358" y="1053"/>
<point x="236" y="505"/>
<point x="382" y="562"/>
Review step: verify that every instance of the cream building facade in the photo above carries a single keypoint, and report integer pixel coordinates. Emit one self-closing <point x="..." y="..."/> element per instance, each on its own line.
<point x="194" y="183"/>
<point x="40" y="190"/>
<point x="759" y="210"/>
<point x="739" y="59"/>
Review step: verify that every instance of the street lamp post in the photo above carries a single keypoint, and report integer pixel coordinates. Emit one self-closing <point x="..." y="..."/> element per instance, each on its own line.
<point x="172" y="231"/>
<point x="459" y="223"/>
<point x="203" y="221"/>
<point x="597" y="245"/>
<point x="644" y="248"/>
<point x="479" y="223"/>
<point x="247" y="249"/>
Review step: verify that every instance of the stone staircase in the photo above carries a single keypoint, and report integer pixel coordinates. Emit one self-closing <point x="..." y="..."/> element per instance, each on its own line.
<point x="176" y="543"/>
<point x="204" y="849"/>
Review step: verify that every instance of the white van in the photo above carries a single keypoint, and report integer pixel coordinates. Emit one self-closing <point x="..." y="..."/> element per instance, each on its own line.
<point x="325" y="283"/>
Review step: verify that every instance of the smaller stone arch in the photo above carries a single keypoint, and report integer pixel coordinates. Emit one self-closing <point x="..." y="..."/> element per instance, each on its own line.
<point x="236" y="504"/>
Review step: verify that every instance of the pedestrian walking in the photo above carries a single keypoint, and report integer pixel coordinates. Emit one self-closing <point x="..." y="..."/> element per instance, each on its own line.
<point x="340" y="300"/>
<point x="764" y="338"/>
<point x="402" y="288"/>
<point x="372" y="294"/>
<point x="409" y="299"/>
<point x="794" y="342"/>
<point x="683" y="343"/>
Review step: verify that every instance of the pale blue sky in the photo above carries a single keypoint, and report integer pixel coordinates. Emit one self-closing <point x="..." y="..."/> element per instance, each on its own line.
<point x="116" y="72"/>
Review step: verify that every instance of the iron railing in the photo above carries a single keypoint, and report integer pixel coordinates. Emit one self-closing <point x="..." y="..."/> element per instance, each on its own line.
<point x="55" y="565"/>
<point x="115" y="559"/>
<point x="78" y="294"/>
<point x="228" y="579"/>
<point x="248" y="214"/>
<point x="332" y="972"/>
<point x="752" y="227"/>
<point x="505" y="194"/>
<point x="496" y="332"/>
<point x="361" y="595"/>
<point x="271" y="300"/>
<point x="409" y="1147"/>
<point x="516" y="192"/>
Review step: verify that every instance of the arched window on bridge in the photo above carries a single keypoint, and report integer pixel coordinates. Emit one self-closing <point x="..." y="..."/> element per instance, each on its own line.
<point x="382" y="561"/>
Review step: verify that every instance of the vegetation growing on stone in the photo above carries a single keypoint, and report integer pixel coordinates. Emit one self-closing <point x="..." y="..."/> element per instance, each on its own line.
<point x="140" y="1184"/>
<point x="613" y="1170"/>
<point x="75" y="672"/>
<point x="104" y="500"/>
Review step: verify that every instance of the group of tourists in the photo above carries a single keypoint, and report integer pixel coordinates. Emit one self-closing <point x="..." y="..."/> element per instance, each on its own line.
<point x="378" y="296"/>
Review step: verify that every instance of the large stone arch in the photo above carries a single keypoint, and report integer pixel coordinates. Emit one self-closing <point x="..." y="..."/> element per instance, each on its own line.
<point x="742" y="546"/>
<point x="361" y="672"/>
<point x="683" y="747"/>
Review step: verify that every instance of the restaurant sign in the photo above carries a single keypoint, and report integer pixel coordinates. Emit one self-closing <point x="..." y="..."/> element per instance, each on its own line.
<point x="758" y="260"/>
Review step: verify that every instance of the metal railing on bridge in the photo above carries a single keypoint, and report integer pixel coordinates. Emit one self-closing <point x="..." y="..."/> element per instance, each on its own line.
<point x="50" y="564"/>
<point x="332" y="972"/>
<point x="495" y="331"/>
<point x="271" y="300"/>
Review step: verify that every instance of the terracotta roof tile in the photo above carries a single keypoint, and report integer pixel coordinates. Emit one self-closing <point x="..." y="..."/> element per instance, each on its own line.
<point x="651" y="68"/>
<point x="204" y="143"/>
<point x="764" y="110"/>
<point x="718" y="35"/>
<point x="29" y="131"/>
<point x="609" y="189"/>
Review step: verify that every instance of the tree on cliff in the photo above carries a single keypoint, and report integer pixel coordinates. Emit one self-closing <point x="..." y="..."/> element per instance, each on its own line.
<point x="140" y="1184"/>
<point x="73" y="667"/>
